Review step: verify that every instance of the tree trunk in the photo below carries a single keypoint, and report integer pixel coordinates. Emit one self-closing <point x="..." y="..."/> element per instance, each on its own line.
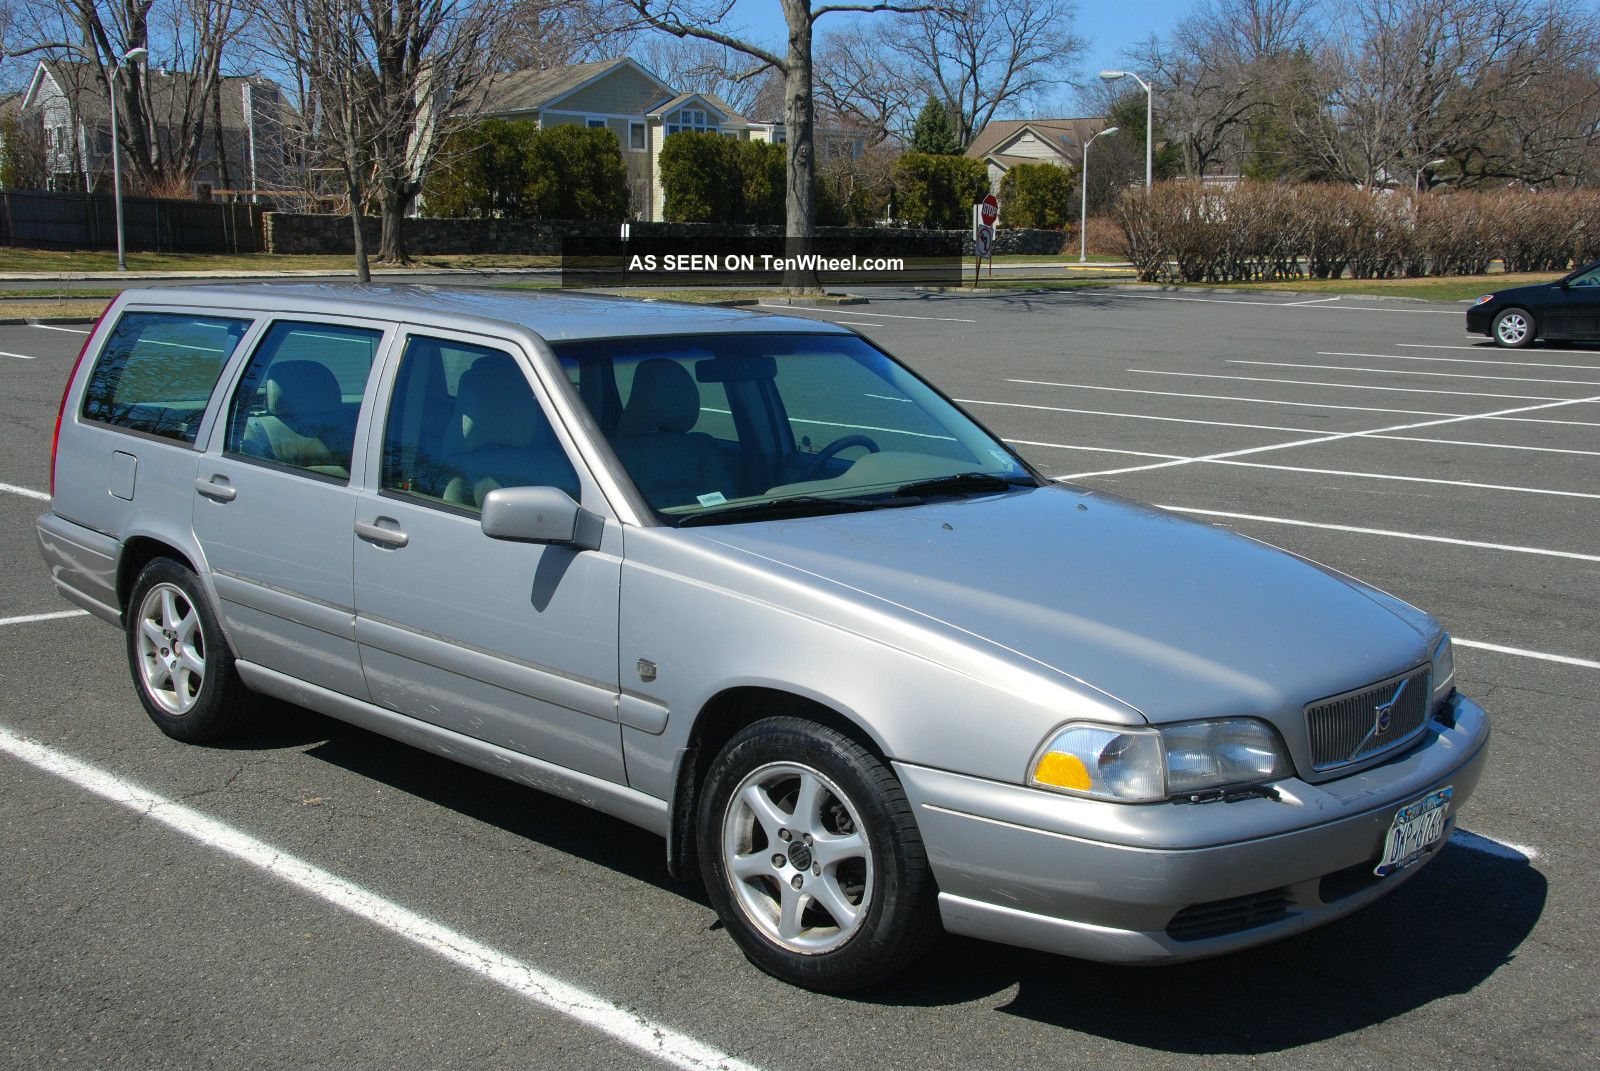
<point x="353" y="191"/>
<point x="798" y="116"/>
<point x="392" y="199"/>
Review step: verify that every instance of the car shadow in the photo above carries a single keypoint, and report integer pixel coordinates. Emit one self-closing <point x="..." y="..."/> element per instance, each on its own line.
<point x="1443" y="933"/>
<point x="519" y="810"/>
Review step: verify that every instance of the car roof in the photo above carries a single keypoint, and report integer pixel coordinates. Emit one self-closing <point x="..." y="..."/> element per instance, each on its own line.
<point x="555" y="315"/>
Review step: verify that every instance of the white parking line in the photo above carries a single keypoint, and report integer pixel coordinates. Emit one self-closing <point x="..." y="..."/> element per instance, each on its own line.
<point x="1086" y="449"/>
<point x="1408" y="479"/>
<point x="1230" y="398"/>
<point x="879" y="315"/>
<point x="1477" y="544"/>
<point x="608" y="1017"/>
<point x="1416" y="372"/>
<point x="1566" y="660"/>
<point x="1281" y="304"/>
<point x="54" y="615"/>
<point x="1314" y="301"/>
<point x="55" y="327"/>
<point x="19" y="356"/>
<point x="1137" y="416"/>
<point x="1280" y="427"/>
<point x="1461" y="360"/>
<point x="1502" y="849"/>
<point x="1352" y="386"/>
<point x="25" y="492"/>
<point x="1482" y="347"/>
<point x="1337" y="436"/>
<point x="857" y="323"/>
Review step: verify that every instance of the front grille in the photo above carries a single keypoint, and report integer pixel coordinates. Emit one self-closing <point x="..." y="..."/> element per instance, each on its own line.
<point x="1221" y="917"/>
<point x="1347" y="728"/>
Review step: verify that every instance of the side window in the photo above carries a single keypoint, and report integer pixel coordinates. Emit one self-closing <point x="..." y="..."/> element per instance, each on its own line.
<point x="157" y="371"/>
<point x="299" y="399"/>
<point x="463" y="421"/>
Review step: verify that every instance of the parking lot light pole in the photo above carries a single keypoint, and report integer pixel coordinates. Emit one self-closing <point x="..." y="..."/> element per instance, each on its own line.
<point x="1149" y="123"/>
<point x="1083" y="184"/>
<point x="133" y="55"/>
<point x="1416" y="182"/>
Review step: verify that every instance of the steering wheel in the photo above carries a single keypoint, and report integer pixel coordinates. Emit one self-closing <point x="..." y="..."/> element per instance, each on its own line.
<point x="827" y="454"/>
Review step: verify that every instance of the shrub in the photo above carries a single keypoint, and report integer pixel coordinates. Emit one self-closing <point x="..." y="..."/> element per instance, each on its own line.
<point x="1037" y="195"/>
<point x="938" y="192"/>
<point x="504" y="169"/>
<point x="1255" y="230"/>
<point x="708" y="178"/>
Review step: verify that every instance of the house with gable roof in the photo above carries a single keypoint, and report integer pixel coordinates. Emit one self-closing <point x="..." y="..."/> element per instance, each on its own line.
<point x="1005" y="143"/>
<point x="622" y="96"/>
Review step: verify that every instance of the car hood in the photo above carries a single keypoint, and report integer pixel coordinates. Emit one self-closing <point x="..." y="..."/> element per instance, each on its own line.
<point x="1532" y="291"/>
<point x="1177" y="619"/>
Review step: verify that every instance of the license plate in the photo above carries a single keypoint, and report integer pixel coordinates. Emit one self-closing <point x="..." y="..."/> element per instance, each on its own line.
<point x="1417" y="829"/>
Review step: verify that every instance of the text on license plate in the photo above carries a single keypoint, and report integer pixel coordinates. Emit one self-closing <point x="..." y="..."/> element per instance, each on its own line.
<point x="1416" y="829"/>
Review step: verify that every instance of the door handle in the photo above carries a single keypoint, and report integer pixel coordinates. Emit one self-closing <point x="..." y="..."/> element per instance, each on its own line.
<point x="216" y="486"/>
<point x="376" y="533"/>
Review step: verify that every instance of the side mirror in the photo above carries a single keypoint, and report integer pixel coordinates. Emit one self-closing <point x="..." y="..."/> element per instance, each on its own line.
<point x="539" y="515"/>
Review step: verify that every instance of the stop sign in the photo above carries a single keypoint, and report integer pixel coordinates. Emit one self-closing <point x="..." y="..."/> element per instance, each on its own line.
<point x="989" y="210"/>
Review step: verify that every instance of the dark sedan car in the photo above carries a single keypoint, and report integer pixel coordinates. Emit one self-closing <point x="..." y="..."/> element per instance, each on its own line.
<point x="1566" y="308"/>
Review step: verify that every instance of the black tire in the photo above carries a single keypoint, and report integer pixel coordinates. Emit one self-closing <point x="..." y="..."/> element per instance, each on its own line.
<point x="220" y="705"/>
<point x="900" y="918"/>
<point x="1504" y="328"/>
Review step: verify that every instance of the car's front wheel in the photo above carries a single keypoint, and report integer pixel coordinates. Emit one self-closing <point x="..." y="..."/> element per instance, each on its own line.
<point x="180" y="661"/>
<point x="1513" y="328"/>
<point x="812" y="858"/>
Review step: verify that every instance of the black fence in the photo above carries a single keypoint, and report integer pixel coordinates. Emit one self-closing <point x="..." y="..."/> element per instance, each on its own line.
<point x="89" y="221"/>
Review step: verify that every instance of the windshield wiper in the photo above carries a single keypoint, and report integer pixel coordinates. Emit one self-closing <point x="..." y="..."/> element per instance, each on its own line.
<point x="964" y="483"/>
<point x="780" y="508"/>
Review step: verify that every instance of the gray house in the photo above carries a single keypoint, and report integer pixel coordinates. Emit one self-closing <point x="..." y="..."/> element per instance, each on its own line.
<point x="244" y="148"/>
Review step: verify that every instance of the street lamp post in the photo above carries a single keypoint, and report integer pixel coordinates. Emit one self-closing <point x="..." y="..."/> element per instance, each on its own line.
<point x="1083" y="183"/>
<point x="1416" y="181"/>
<point x="133" y="55"/>
<point x="1149" y="124"/>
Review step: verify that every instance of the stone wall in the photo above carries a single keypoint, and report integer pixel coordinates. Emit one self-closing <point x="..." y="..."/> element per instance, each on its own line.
<point x="294" y="233"/>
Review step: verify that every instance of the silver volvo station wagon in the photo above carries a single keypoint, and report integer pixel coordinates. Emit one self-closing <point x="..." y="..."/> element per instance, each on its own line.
<point x="750" y="583"/>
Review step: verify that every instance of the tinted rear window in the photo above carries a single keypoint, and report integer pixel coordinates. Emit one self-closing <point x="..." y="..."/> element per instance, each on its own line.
<point x="157" y="371"/>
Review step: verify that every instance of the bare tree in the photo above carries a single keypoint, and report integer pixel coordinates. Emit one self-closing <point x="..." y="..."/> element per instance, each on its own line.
<point x="698" y="66"/>
<point x="980" y="56"/>
<point x="166" y="104"/>
<point x="1220" y="67"/>
<point x="701" y="19"/>
<point x="388" y="79"/>
<point x="1501" y="88"/>
<point x="860" y="80"/>
<point x="549" y="33"/>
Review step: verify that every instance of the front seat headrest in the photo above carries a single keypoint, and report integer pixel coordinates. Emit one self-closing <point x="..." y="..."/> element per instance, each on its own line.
<point x="664" y="399"/>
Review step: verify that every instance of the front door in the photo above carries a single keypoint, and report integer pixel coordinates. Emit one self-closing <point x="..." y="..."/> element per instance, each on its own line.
<point x="511" y="643"/>
<point x="1580" y="307"/>
<point x="274" y="502"/>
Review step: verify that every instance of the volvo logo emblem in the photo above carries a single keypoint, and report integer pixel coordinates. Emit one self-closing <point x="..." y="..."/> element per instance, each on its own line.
<point x="1385" y="711"/>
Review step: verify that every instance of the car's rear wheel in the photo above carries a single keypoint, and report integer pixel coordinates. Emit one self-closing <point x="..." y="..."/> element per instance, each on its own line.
<point x="1513" y="328"/>
<point x="181" y="664"/>
<point x="812" y="858"/>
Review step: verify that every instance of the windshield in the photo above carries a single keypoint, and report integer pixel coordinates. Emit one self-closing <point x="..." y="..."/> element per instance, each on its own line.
<point x="726" y="428"/>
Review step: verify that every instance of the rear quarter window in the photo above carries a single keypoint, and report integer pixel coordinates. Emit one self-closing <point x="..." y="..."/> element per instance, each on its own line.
<point x="156" y="372"/>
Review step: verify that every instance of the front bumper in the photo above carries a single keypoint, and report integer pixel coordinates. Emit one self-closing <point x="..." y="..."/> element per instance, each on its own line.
<point x="1479" y="318"/>
<point x="1166" y="882"/>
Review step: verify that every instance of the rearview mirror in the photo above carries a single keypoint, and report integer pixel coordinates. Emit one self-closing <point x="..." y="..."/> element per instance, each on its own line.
<point x="538" y="515"/>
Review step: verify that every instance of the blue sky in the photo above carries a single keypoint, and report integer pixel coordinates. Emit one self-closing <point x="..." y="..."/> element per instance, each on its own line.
<point x="1108" y="27"/>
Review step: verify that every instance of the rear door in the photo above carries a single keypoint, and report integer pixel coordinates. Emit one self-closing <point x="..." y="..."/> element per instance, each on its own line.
<point x="511" y="643"/>
<point x="274" y="502"/>
<point x="1581" y="309"/>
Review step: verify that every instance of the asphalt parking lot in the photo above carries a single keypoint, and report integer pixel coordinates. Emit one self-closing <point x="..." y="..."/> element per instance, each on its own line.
<point x="321" y="895"/>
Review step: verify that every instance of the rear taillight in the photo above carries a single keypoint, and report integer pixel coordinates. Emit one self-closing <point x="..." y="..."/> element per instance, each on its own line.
<point x="61" y="413"/>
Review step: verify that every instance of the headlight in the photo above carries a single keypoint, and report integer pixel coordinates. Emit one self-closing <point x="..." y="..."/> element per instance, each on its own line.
<point x="1144" y="765"/>
<point x="1102" y="762"/>
<point x="1444" y="668"/>
<point x="1204" y="755"/>
<point x="1486" y="297"/>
